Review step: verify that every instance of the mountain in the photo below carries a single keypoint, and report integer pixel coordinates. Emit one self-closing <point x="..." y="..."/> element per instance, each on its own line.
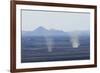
<point x="40" y="31"/>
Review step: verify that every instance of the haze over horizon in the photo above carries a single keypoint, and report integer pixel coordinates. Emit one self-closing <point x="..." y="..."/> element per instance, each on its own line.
<point x="63" y="21"/>
<point x="43" y="28"/>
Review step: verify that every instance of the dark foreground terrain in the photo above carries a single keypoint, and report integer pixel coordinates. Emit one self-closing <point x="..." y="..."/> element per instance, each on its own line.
<point x="35" y="49"/>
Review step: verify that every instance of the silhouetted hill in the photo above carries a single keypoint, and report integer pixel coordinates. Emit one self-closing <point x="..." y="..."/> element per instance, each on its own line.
<point x="40" y="31"/>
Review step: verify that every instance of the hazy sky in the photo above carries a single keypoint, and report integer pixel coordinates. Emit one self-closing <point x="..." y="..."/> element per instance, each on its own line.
<point x="66" y="21"/>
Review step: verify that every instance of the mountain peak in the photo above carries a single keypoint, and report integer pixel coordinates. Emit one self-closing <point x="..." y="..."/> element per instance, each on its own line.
<point x="40" y="29"/>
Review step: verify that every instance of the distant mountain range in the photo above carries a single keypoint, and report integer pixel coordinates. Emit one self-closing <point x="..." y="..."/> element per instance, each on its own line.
<point x="40" y="31"/>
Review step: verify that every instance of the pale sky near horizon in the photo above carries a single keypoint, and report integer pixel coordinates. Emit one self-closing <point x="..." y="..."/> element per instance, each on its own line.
<point x="65" y="21"/>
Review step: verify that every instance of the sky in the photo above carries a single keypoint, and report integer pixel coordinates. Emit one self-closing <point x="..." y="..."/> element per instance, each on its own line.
<point x="58" y="20"/>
